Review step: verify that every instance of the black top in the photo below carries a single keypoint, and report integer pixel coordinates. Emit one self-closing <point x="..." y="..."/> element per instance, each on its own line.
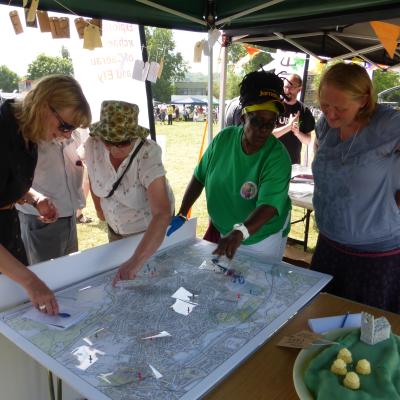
<point x="17" y="161"/>
<point x="307" y="124"/>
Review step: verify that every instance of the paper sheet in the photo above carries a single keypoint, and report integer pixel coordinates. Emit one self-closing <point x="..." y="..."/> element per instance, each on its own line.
<point x="320" y="325"/>
<point x="57" y="321"/>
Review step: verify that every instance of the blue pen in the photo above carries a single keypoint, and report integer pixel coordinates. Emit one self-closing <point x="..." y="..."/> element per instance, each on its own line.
<point x="345" y="319"/>
<point x="64" y="315"/>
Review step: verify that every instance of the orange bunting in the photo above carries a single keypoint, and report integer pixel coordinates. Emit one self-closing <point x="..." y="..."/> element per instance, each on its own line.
<point x="387" y="34"/>
<point x="252" y="51"/>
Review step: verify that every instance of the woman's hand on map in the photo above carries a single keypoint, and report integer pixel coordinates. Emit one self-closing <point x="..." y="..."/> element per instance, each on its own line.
<point x="229" y="244"/>
<point x="126" y="271"/>
<point x="41" y="296"/>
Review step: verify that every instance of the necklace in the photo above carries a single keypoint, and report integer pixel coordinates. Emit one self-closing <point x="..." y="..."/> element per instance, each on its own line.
<point x="344" y="156"/>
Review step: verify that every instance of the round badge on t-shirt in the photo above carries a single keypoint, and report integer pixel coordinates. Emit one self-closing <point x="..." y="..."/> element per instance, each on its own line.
<point x="248" y="190"/>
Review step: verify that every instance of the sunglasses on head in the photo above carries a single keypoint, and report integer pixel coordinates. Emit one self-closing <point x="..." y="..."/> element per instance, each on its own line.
<point x="260" y="123"/>
<point x="124" y="143"/>
<point x="63" y="126"/>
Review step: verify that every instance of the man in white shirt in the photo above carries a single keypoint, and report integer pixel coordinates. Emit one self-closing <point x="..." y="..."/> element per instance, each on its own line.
<point x="58" y="175"/>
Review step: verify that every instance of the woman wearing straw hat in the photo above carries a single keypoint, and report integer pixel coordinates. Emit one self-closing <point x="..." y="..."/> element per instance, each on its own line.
<point x="128" y="182"/>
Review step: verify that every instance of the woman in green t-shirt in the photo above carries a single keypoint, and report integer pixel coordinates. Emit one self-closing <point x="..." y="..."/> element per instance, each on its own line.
<point x="246" y="172"/>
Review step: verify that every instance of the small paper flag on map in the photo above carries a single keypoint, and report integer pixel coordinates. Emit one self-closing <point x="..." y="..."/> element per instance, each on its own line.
<point x="183" y="307"/>
<point x="156" y="373"/>
<point x="183" y="294"/>
<point x="159" y="335"/>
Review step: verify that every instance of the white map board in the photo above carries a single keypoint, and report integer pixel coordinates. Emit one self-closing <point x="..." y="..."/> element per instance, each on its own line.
<point x="105" y="356"/>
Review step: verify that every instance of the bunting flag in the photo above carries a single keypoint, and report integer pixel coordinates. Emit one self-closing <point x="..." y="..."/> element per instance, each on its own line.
<point x="387" y="34"/>
<point x="251" y="52"/>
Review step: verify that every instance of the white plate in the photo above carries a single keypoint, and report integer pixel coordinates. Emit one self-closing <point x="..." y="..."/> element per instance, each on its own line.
<point x="305" y="356"/>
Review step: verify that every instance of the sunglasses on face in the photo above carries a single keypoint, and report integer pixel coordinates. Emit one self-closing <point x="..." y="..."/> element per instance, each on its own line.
<point x="260" y="123"/>
<point x="124" y="143"/>
<point x="63" y="126"/>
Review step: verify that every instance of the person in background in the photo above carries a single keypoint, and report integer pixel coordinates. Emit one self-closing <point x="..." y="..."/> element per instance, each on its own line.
<point x="54" y="108"/>
<point x="128" y="183"/>
<point x="233" y="113"/>
<point x="295" y="125"/>
<point x="59" y="176"/>
<point x="356" y="175"/>
<point x="245" y="172"/>
<point x="170" y="113"/>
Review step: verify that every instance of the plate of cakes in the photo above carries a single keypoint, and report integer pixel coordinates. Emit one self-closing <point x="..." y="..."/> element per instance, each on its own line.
<point x="353" y="366"/>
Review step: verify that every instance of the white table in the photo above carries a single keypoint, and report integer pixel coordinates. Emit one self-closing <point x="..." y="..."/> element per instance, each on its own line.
<point x="301" y="193"/>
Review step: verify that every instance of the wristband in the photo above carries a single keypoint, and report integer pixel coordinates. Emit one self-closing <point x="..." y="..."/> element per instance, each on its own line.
<point x="242" y="228"/>
<point x="182" y="216"/>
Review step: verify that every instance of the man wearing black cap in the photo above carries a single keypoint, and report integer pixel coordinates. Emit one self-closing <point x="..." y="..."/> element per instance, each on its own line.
<point x="295" y="125"/>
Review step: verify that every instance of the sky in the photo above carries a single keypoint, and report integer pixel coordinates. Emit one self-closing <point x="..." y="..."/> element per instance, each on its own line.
<point x="17" y="51"/>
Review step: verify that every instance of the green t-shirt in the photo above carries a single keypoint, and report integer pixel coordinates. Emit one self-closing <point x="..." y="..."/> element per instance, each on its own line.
<point x="237" y="183"/>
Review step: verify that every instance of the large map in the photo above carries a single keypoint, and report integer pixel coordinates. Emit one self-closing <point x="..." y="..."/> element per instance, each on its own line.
<point x="175" y="331"/>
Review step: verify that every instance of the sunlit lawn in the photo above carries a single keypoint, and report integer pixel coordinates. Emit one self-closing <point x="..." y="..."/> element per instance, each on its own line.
<point x="182" y="145"/>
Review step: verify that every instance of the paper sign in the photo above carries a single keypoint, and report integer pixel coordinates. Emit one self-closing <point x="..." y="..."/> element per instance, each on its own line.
<point x="299" y="340"/>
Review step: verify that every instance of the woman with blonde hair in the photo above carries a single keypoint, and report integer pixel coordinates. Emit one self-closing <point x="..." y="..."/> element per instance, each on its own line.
<point x="356" y="173"/>
<point x="52" y="109"/>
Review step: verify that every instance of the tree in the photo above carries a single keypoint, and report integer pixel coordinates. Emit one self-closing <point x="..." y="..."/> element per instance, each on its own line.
<point x="161" y="46"/>
<point x="46" y="65"/>
<point x="385" y="80"/>
<point x="8" y="79"/>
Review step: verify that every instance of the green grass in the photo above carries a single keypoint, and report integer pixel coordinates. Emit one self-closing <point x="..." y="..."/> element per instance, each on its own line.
<point x="182" y="145"/>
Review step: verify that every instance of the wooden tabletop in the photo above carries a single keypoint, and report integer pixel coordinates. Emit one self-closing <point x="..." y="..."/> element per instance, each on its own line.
<point x="267" y="374"/>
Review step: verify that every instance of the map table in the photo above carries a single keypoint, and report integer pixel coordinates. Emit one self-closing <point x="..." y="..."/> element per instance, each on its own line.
<point x="109" y="354"/>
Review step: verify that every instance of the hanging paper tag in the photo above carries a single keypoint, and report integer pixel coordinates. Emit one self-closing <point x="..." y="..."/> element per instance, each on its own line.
<point x="32" y="11"/>
<point x="91" y="37"/>
<point x="16" y="22"/>
<point x="30" y="24"/>
<point x="160" y="68"/>
<point x="206" y="48"/>
<point x="63" y="28"/>
<point x="137" y="70"/>
<point x="145" y="71"/>
<point x="97" y="22"/>
<point x="80" y="25"/>
<point x="198" y="49"/>
<point x="44" y="22"/>
<point x="213" y="36"/>
<point x="153" y="72"/>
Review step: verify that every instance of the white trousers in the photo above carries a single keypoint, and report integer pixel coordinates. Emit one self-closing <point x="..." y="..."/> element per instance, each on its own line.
<point x="271" y="248"/>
